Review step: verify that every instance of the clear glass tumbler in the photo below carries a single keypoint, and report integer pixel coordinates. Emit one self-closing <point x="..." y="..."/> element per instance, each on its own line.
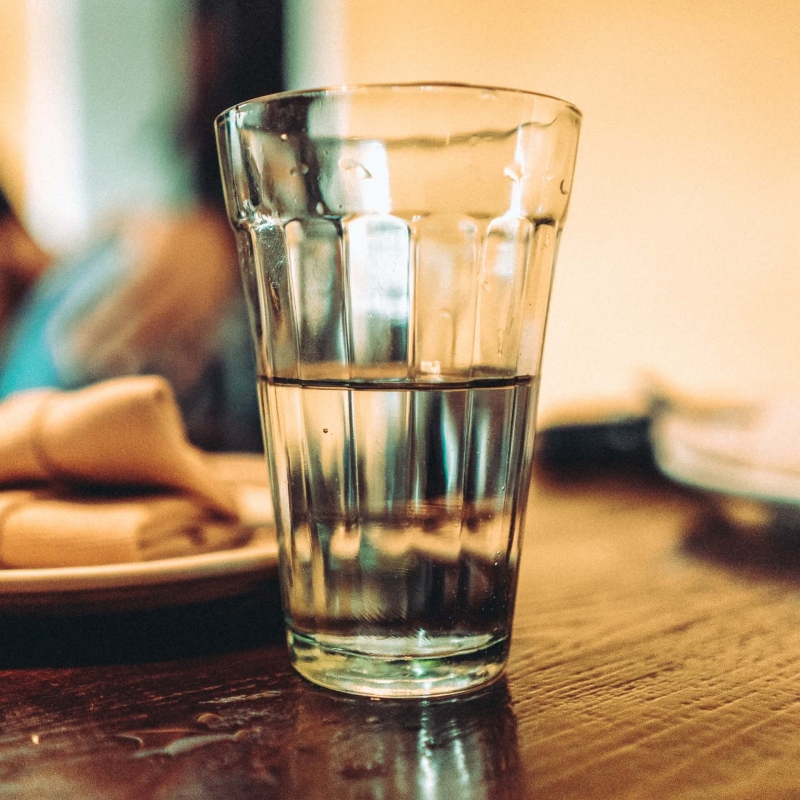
<point x="397" y="246"/>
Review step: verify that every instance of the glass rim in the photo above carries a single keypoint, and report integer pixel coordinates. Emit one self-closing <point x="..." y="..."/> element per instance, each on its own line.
<point x="356" y="88"/>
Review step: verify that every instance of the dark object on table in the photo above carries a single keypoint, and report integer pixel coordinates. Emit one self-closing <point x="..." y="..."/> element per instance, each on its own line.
<point x="619" y="445"/>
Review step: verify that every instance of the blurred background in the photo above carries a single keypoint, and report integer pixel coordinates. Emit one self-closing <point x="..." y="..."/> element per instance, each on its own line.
<point x="680" y="254"/>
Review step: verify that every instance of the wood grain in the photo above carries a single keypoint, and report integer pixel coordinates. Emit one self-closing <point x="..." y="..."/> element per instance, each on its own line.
<point x="641" y="671"/>
<point x="642" y="666"/>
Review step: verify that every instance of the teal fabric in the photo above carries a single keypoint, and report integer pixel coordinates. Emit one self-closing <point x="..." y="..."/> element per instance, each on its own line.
<point x="220" y="410"/>
<point x="41" y="325"/>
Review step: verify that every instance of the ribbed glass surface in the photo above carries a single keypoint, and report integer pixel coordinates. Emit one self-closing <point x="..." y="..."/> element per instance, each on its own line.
<point x="397" y="247"/>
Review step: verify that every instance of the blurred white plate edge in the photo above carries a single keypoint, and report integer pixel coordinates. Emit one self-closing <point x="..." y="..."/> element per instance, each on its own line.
<point x="258" y="556"/>
<point x="684" y="464"/>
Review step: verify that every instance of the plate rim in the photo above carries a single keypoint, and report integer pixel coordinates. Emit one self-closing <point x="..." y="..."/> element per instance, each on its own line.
<point x="250" y="558"/>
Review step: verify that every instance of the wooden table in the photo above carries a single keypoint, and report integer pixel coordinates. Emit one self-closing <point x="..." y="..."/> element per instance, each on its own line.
<point x="654" y="656"/>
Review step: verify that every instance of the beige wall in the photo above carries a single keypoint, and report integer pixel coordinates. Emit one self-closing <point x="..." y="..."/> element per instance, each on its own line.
<point x="13" y="78"/>
<point x="682" y="252"/>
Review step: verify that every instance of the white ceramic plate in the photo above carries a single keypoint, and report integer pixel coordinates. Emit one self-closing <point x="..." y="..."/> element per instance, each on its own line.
<point x="147" y="584"/>
<point x="752" y="498"/>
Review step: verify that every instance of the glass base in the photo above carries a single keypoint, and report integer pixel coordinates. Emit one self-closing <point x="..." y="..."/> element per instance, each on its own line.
<point x="398" y="667"/>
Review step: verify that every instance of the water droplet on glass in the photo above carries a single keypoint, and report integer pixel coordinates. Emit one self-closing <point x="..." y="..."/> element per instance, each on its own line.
<point x="351" y="164"/>
<point x="324" y="430"/>
<point x="564" y="186"/>
<point x="285" y="137"/>
<point x="514" y="173"/>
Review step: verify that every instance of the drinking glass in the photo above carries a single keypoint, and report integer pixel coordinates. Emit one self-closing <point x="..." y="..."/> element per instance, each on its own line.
<point x="397" y="246"/>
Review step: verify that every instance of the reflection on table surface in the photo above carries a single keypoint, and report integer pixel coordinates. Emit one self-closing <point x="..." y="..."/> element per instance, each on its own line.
<point x="242" y="724"/>
<point x="641" y="666"/>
